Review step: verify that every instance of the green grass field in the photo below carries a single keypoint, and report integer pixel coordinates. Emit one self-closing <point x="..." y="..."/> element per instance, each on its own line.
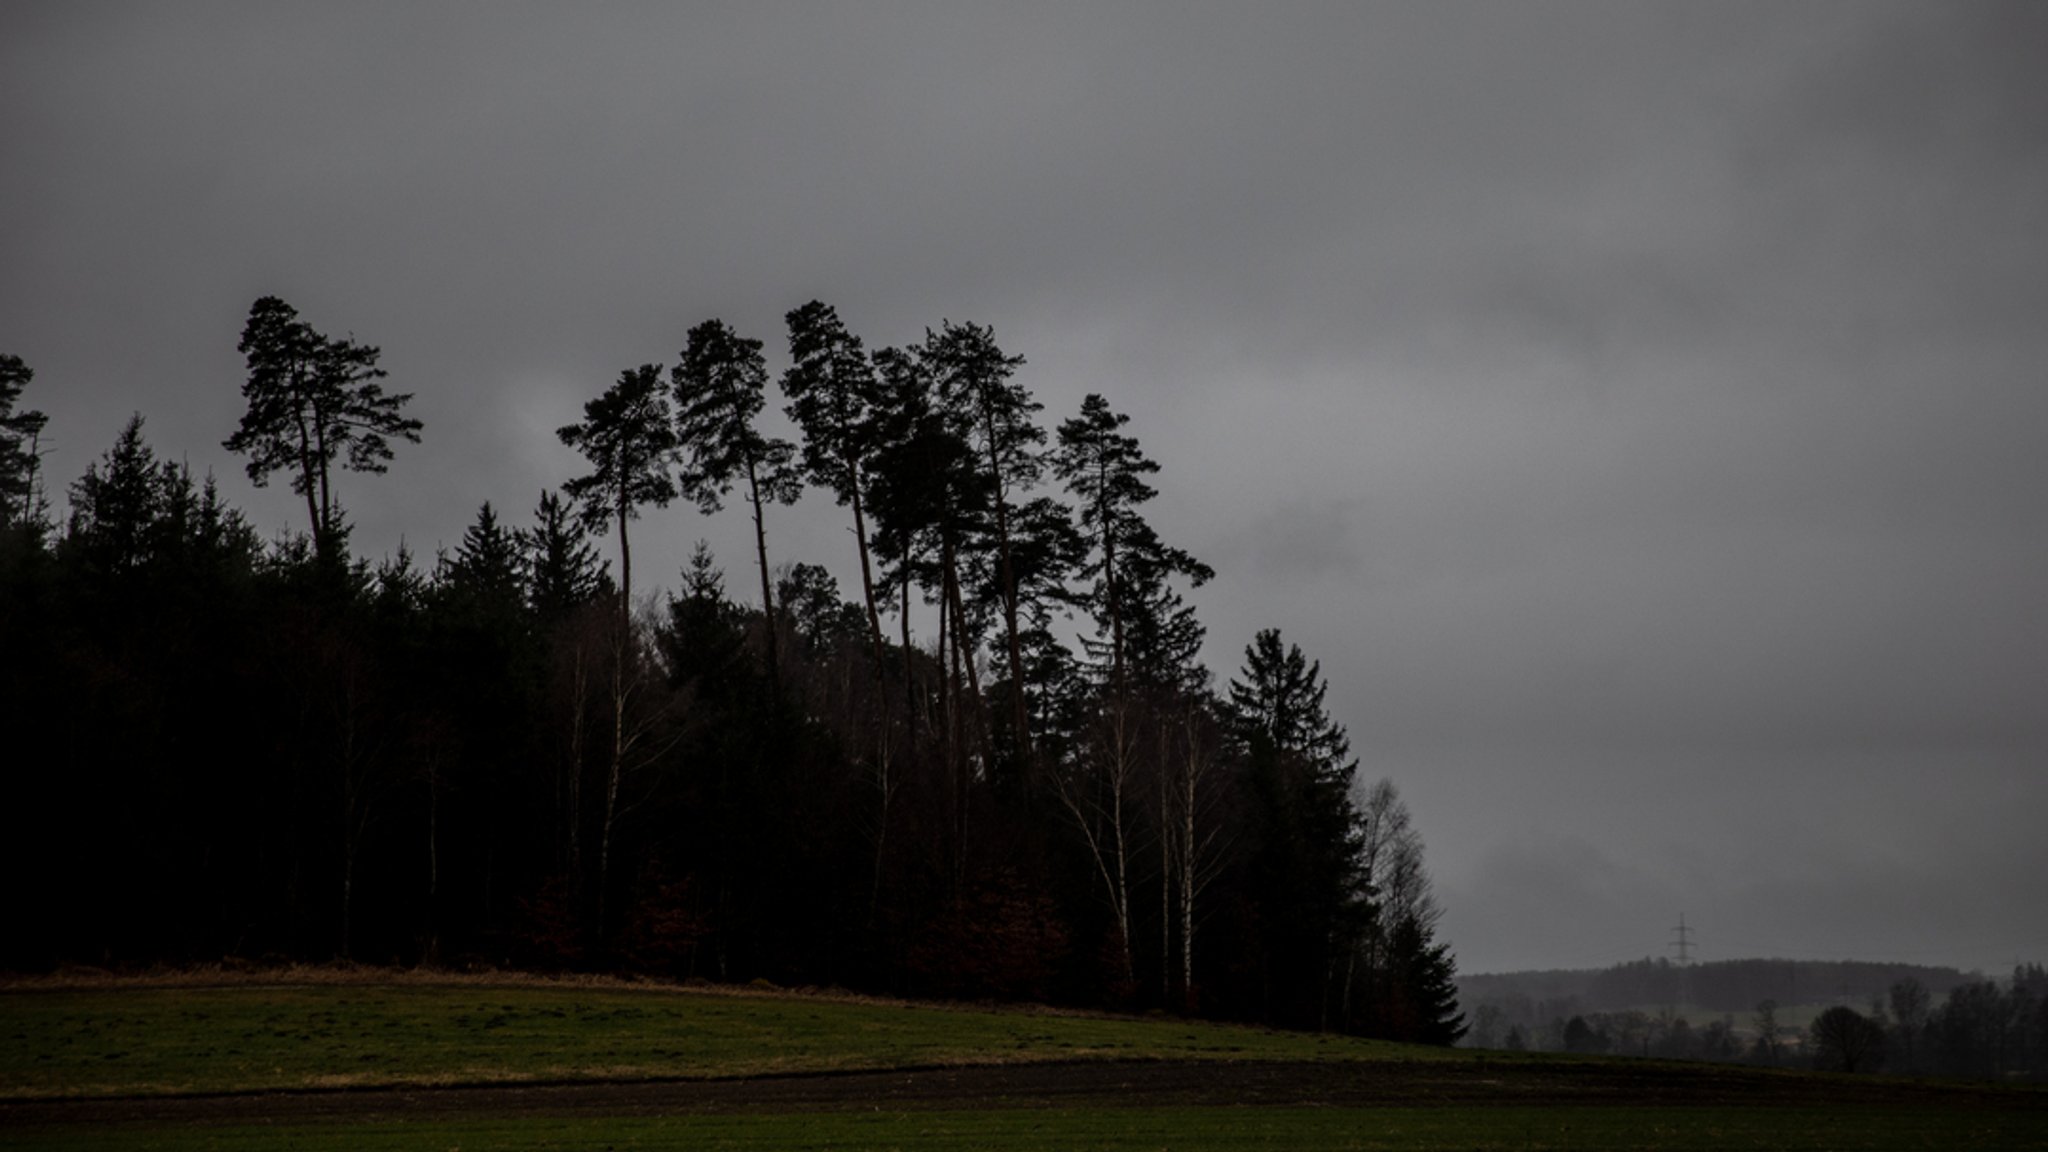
<point x="148" y="1042"/>
<point x="179" y="1040"/>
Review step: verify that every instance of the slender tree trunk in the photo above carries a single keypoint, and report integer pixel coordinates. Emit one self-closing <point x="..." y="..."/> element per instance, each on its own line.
<point x="351" y="802"/>
<point x="1121" y="775"/>
<point x="432" y="954"/>
<point x="949" y="713"/>
<point x="625" y="570"/>
<point x="1002" y="502"/>
<point x="1096" y="800"/>
<point x="767" y="600"/>
<point x="611" y="788"/>
<point x="322" y="540"/>
<point x="579" y="679"/>
<point x="1022" y="717"/>
<point x="947" y="669"/>
<point x="867" y="580"/>
<point x="881" y="844"/>
<point x="1166" y="831"/>
<point x="622" y="642"/>
<point x="1111" y="587"/>
<point x="348" y="883"/>
<point x="309" y="477"/>
<point x="1187" y="893"/>
<point x="909" y="677"/>
<point x="976" y="720"/>
<point x="968" y="703"/>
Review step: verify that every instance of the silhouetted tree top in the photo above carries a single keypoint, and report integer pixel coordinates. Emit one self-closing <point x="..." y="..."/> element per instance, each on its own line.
<point x="1277" y="702"/>
<point x="627" y="437"/>
<point x="121" y="506"/>
<point x="313" y="400"/>
<point x="19" y="452"/>
<point x="1128" y="565"/>
<point x="132" y="510"/>
<point x="927" y="484"/>
<point x="971" y="377"/>
<point x="254" y="750"/>
<point x="833" y="395"/>
<point x="720" y="388"/>
<point x="719" y="385"/>
<point x="836" y="397"/>
<point x="488" y="569"/>
<point x="562" y="567"/>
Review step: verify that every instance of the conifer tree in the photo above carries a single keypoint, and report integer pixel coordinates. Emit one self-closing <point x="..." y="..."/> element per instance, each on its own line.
<point x="627" y="437"/>
<point x="20" y="450"/>
<point x="562" y="568"/>
<point x="833" y="395"/>
<point x="931" y="505"/>
<point x="1306" y="858"/>
<point x="1136" y="614"/>
<point x="719" y="387"/>
<point x="972" y="377"/>
<point x="1425" y="989"/>
<point x="488" y="568"/>
<point x="312" y="401"/>
<point x="125" y="510"/>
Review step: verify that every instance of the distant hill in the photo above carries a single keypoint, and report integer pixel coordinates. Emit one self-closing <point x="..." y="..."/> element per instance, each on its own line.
<point x="1719" y="986"/>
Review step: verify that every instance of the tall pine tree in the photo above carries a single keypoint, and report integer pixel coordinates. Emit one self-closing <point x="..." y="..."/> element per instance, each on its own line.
<point x="719" y="388"/>
<point x="312" y="401"/>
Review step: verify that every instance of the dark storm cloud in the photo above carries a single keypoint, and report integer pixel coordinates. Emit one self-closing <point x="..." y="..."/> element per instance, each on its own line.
<point x="1622" y="401"/>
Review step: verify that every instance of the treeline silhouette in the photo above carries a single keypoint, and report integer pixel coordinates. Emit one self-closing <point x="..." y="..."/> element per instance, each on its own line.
<point x="1713" y="985"/>
<point x="513" y="755"/>
<point x="1959" y="1026"/>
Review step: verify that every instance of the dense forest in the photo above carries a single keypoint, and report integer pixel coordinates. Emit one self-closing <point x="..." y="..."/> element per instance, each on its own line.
<point x="227" y="747"/>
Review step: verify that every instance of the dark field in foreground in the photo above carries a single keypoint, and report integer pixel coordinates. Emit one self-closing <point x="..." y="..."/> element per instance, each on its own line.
<point x="652" y="1069"/>
<point x="1181" y="1129"/>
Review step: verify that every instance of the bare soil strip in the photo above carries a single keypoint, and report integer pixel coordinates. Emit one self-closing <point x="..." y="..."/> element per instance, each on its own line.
<point x="1069" y="1085"/>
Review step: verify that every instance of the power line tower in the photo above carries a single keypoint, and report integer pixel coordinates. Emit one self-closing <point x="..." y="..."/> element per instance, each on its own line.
<point x="1682" y="942"/>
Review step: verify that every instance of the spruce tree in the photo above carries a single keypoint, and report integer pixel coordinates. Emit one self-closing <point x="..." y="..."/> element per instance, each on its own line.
<point x="488" y="569"/>
<point x="125" y="509"/>
<point x="1315" y="899"/>
<point x="562" y="568"/>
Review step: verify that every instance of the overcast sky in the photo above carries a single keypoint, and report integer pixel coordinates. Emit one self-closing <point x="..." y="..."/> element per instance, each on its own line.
<point x="1641" y="410"/>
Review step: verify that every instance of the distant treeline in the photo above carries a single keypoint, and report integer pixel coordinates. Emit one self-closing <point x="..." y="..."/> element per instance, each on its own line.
<point x="221" y="747"/>
<point x="1715" y="986"/>
<point x="1967" y="1026"/>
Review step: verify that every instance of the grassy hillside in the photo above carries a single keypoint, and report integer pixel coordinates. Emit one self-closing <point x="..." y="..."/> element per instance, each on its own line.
<point x="112" y="1066"/>
<point x="175" y="1039"/>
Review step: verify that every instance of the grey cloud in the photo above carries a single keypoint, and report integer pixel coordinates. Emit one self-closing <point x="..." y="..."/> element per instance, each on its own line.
<point x="1583" y="384"/>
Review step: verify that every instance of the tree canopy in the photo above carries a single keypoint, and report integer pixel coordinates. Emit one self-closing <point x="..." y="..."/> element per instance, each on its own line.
<point x="313" y="400"/>
<point x="1026" y="786"/>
